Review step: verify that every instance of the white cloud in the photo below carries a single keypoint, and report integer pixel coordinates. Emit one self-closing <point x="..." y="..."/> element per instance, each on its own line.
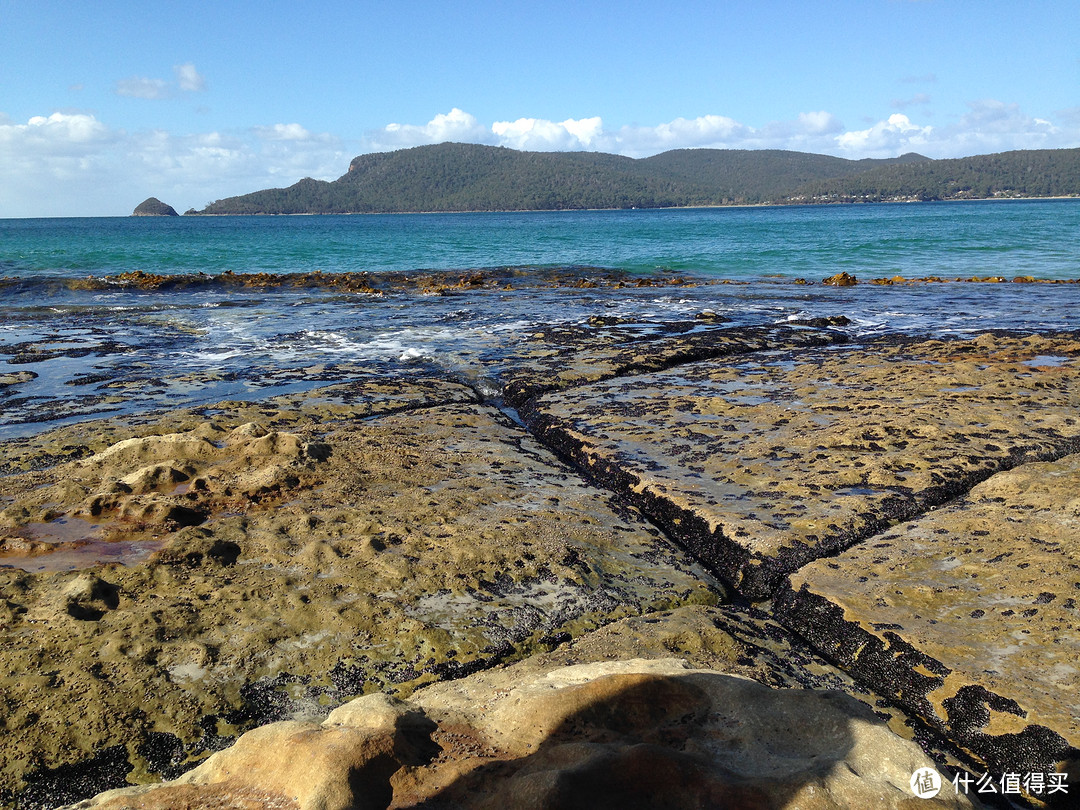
<point x="586" y="130"/>
<point x="988" y="126"/>
<point x="810" y="131"/>
<point x="541" y="135"/>
<point x="991" y="117"/>
<point x="1070" y="117"/>
<point x="48" y="163"/>
<point x="283" y="132"/>
<point x="57" y="134"/>
<point x="452" y="126"/>
<point x="69" y="164"/>
<point x="994" y="126"/>
<point x="706" y="131"/>
<point x="142" y="87"/>
<point x="189" y="79"/>
<point x="525" y="133"/>
<point x="885" y="138"/>
<point x="820" y="123"/>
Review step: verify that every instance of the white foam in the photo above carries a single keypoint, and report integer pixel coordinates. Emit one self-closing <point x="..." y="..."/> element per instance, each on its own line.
<point x="212" y="356"/>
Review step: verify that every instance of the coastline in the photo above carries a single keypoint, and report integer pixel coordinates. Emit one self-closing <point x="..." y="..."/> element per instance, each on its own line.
<point x="772" y="204"/>
<point x="775" y="204"/>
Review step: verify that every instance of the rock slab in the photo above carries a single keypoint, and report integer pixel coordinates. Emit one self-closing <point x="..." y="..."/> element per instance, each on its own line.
<point x="759" y="464"/>
<point x="291" y="563"/>
<point x="967" y="617"/>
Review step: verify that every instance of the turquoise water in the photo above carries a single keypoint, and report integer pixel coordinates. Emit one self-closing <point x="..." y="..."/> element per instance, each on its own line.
<point x="1036" y="237"/>
<point x="76" y="342"/>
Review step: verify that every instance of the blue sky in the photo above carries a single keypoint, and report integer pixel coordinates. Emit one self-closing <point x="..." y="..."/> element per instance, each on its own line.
<point x="103" y="104"/>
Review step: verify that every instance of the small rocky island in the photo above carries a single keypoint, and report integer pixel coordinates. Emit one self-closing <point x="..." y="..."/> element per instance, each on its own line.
<point x="153" y="207"/>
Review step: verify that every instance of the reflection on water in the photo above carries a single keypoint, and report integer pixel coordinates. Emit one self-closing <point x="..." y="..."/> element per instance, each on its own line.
<point x="66" y="544"/>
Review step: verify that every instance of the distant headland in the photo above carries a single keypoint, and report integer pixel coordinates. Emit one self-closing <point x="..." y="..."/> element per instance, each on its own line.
<point x="470" y="177"/>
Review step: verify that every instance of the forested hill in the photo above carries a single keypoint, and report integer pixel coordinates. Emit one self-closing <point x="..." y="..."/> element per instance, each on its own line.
<point x="1028" y="173"/>
<point x="471" y="177"/>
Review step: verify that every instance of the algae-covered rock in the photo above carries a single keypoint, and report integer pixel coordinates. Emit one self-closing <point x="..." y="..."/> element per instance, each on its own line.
<point x="967" y="616"/>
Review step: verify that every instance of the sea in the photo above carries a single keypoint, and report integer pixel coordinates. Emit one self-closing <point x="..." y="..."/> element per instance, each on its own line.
<point x="123" y="315"/>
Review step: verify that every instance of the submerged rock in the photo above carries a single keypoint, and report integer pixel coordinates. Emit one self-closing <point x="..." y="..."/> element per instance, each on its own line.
<point x="153" y="207"/>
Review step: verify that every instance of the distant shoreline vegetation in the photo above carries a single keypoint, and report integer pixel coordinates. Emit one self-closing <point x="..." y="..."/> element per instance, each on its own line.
<point x="456" y="177"/>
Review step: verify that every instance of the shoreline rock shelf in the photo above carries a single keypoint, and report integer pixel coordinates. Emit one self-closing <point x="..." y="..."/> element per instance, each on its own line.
<point x="302" y="559"/>
<point x="906" y="507"/>
<point x="970" y="613"/>
<point x="761" y="465"/>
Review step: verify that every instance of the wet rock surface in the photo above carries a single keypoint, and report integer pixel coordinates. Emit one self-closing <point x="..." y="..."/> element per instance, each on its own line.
<point x="366" y="395"/>
<point x="616" y="734"/>
<point x="562" y="357"/>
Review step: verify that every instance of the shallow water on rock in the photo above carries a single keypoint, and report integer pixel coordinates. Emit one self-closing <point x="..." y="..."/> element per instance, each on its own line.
<point x="69" y="543"/>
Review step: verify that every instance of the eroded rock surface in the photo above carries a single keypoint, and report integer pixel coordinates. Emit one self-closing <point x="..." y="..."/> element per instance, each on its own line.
<point x="967" y="616"/>
<point x="289" y="554"/>
<point x="632" y="734"/>
<point x="298" y="560"/>
<point x="367" y="396"/>
<point x="564" y="357"/>
<point x="761" y="463"/>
